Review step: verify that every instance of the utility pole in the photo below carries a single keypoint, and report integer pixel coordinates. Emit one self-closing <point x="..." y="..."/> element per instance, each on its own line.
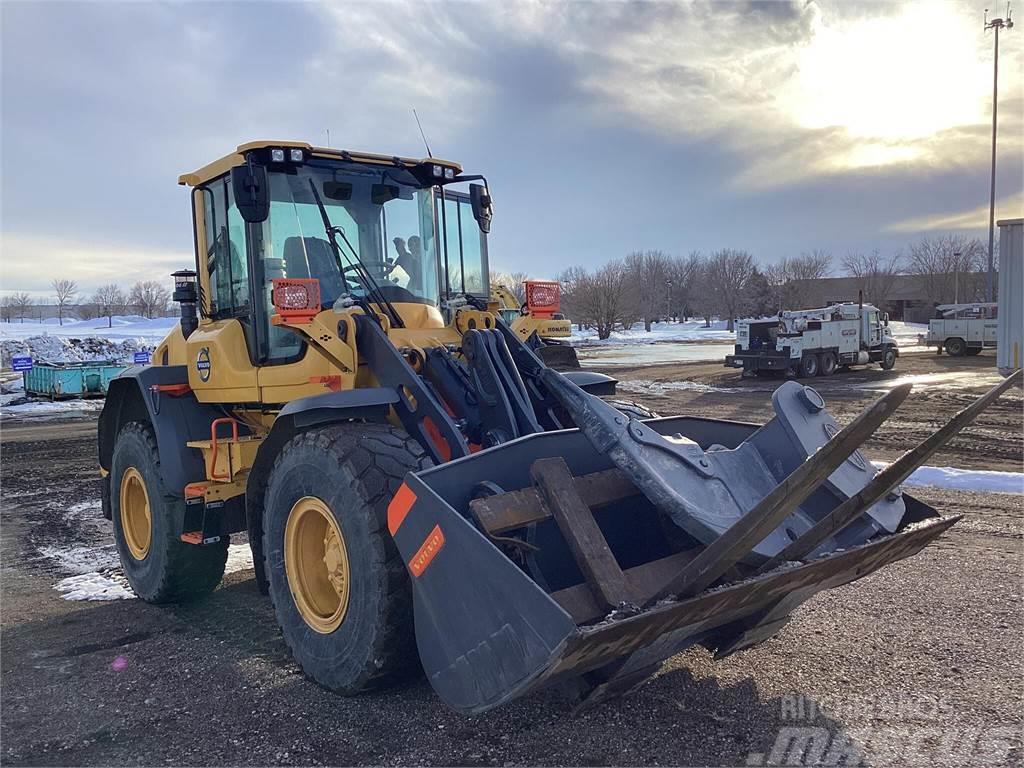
<point x="956" y="277"/>
<point x="995" y="24"/>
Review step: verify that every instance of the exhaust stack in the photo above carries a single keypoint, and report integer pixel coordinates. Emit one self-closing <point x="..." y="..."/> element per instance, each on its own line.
<point x="187" y="295"/>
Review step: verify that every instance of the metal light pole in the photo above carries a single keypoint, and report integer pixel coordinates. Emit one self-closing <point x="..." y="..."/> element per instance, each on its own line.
<point x="668" y="301"/>
<point x="956" y="277"/>
<point x="995" y="24"/>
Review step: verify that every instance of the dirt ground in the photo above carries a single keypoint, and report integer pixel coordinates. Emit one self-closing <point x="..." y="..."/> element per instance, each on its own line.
<point x="920" y="663"/>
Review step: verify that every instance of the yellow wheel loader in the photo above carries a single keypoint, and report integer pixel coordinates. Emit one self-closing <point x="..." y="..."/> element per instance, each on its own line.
<point x="420" y="491"/>
<point x="538" y="322"/>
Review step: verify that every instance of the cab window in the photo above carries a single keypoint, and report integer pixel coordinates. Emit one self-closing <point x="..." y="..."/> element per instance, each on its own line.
<point x="466" y="247"/>
<point x="226" y="262"/>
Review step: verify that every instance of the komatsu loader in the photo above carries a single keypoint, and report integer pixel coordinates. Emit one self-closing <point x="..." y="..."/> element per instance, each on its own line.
<point x="538" y="321"/>
<point x="421" y="492"/>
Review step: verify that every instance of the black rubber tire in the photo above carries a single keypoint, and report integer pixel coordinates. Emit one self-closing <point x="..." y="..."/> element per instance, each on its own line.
<point x="354" y="469"/>
<point x="171" y="571"/>
<point x="828" y="363"/>
<point x="633" y="410"/>
<point x="955" y="347"/>
<point x="809" y="366"/>
<point x="972" y="351"/>
<point x="888" y="359"/>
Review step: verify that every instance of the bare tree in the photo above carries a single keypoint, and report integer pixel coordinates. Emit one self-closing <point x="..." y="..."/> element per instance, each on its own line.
<point x="873" y="272"/>
<point x="149" y="298"/>
<point x="22" y="303"/>
<point x="790" y="281"/>
<point x="110" y="300"/>
<point x="88" y="310"/>
<point x="7" y="308"/>
<point x="517" y="287"/>
<point x="728" y="275"/>
<point x="684" y="273"/>
<point x="649" y="273"/>
<point x="573" y="282"/>
<point x="602" y="299"/>
<point x="949" y="267"/>
<point x="65" y="291"/>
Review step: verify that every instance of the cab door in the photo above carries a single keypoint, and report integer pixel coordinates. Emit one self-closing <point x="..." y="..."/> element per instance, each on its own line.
<point x="874" y="334"/>
<point x="220" y="368"/>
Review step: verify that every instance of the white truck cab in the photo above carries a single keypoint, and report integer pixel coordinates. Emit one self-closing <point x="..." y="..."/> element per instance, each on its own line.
<point x="812" y="342"/>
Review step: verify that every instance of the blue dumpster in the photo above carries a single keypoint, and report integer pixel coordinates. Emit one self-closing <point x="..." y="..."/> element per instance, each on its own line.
<point x="59" y="380"/>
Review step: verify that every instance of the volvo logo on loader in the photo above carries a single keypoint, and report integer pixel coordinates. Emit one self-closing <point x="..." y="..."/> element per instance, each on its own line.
<point x="203" y="364"/>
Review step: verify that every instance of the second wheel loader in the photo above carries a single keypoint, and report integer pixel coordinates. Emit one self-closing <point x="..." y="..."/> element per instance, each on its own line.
<point x="538" y="322"/>
<point x="421" y="492"/>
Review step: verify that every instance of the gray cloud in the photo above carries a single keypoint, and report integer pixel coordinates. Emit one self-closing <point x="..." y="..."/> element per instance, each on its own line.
<point x="603" y="127"/>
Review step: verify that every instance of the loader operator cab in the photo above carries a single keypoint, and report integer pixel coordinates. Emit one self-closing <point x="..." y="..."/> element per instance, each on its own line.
<point x="398" y="227"/>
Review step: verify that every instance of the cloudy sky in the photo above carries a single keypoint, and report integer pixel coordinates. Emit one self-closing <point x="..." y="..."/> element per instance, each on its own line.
<point x="603" y="127"/>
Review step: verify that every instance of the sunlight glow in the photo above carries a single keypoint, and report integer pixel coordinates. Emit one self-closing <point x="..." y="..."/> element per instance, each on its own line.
<point x="900" y="77"/>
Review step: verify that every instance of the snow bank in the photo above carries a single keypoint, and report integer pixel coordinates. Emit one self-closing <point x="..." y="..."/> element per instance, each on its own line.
<point x="46" y="408"/>
<point x="951" y="478"/>
<point x="690" y="331"/>
<point x="694" y="331"/>
<point x="82" y="340"/>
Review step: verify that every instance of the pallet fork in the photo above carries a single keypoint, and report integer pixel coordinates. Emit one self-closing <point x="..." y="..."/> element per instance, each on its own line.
<point x="603" y="550"/>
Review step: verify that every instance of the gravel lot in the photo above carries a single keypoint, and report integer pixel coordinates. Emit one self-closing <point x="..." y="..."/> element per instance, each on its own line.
<point x="928" y="649"/>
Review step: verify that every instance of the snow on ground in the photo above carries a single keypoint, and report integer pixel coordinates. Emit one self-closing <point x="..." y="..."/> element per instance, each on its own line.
<point x="687" y="342"/>
<point x="97" y="574"/>
<point x="690" y="331"/>
<point x="951" y="478"/>
<point x="34" y="409"/>
<point x="645" y="387"/>
<point x="82" y="340"/>
<point x="93" y="586"/>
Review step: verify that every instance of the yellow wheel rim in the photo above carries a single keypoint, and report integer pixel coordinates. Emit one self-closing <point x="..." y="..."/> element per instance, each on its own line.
<point x="316" y="563"/>
<point x="136" y="516"/>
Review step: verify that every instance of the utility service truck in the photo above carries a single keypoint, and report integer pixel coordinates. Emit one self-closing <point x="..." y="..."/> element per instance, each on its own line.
<point x="963" y="329"/>
<point x="809" y="342"/>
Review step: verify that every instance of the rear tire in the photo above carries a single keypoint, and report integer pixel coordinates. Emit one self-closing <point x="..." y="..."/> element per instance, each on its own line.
<point x="809" y="366"/>
<point x="955" y="347"/>
<point x="349" y="626"/>
<point x="828" y="363"/>
<point x="160" y="567"/>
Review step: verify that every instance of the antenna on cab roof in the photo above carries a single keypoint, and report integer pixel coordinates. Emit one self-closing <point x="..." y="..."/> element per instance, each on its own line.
<point x="422" y="134"/>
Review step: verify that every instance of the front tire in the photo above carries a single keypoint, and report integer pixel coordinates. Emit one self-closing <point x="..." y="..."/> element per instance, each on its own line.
<point x="888" y="359"/>
<point x="955" y="347"/>
<point x="160" y="567"/>
<point x="339" y="587"/>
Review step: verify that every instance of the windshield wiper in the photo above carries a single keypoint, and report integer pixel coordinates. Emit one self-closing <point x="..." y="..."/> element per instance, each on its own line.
<point x="371" y="286"/>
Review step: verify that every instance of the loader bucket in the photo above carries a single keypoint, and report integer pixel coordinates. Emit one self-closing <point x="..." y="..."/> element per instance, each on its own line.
<point x="554" y="556"/>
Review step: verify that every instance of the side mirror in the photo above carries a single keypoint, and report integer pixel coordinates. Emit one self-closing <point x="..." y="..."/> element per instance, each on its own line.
<point x="483" y="208"/>
<point x="252" y="192"/>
